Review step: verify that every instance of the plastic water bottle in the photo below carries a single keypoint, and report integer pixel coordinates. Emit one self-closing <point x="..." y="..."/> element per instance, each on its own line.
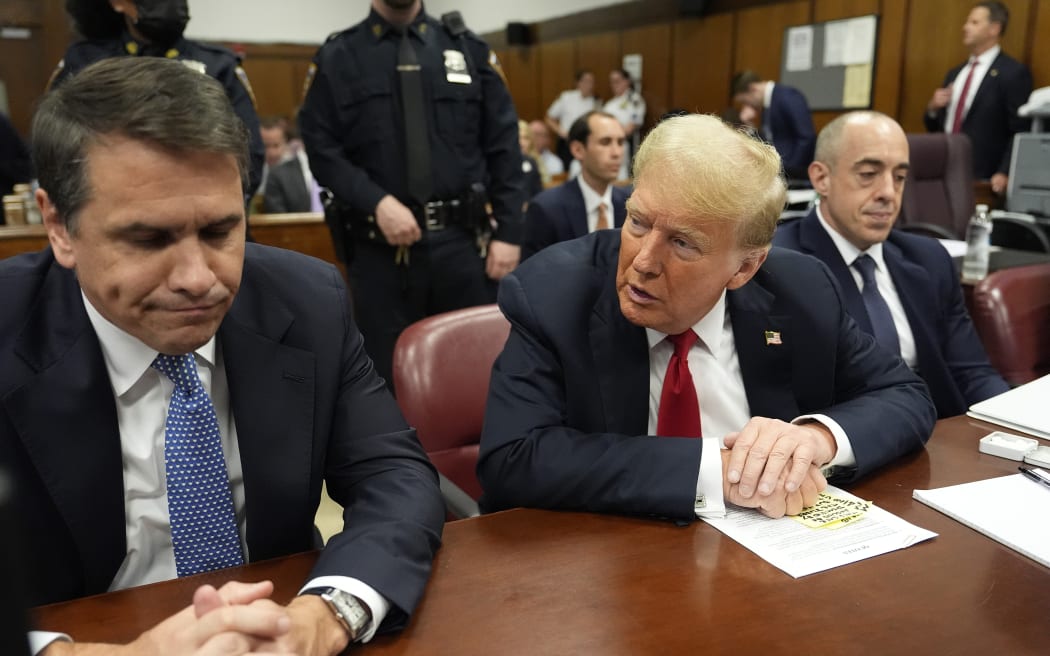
<point x="978" y="240"/>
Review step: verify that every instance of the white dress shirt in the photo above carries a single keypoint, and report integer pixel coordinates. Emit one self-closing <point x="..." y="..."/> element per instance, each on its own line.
<point x="552" y="163"/>
<point x="767" y="100"/>
<point x="719" y="383"/>
<point x="887" y="289"/>
<point x="142" y="395"/>
<point x="591" y="201"/>
<point x="984" y="64"/>
<point x="569" y="106"/>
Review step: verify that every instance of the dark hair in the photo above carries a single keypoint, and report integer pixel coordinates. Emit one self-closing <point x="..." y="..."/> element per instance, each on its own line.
<point x="742" y="82"/>
<point x="274" y="121"/>
<point x="997" y="13"/>
<point x="150" y="99"/>
<point x="627" y="76"/>
<point x="95" y="19"/>
<point x="581" y="127"/>
<point x="580" y="74"/>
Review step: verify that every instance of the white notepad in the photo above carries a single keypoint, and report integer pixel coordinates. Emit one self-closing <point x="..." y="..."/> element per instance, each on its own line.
<point x="1025" y="408"/>
<point x="1008" y="509"/>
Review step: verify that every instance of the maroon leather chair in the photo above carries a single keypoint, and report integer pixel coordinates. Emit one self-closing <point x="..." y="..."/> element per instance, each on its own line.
<point x="1011" y="311"/>
<point x="939" y="188"/>
<point x="442" y="366"/>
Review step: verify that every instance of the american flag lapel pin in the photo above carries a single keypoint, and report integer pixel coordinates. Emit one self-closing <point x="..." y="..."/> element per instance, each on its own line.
<point x="773" y="338"/>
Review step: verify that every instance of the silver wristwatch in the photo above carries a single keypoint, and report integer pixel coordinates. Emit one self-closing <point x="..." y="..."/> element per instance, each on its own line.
<point x="349" y="610"/>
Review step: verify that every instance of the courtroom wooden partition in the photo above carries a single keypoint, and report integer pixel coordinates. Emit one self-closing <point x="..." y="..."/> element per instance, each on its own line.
<point x="306" y="233"/>
<point x="687" y="61"/>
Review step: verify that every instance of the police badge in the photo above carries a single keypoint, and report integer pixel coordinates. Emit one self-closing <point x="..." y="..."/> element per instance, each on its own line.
<point x="456" y="67"/>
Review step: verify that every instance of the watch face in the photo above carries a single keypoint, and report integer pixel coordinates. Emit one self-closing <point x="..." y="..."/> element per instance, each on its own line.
<point x="353" y="613"/>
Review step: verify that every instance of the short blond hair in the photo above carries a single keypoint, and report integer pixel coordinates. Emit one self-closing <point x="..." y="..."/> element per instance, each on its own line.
<point x="712" y="170"/>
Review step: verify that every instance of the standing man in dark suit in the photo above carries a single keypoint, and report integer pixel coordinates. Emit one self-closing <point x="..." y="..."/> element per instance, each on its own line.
<point x="980" y="97"/>
<point x="587" y="202"/>
<point x="786" y="120"/>
<point x="148" y="314"/>
<point x="409" y="123"/>
<point x="685" y="324"/>
<point x="859" y="172"/>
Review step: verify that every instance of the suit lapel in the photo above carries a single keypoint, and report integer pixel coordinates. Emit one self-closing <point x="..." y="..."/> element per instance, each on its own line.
<point x="575" y="210"/>
<point x="916" y="293"/>
<point x="620" y="197"/>
<point x="814" y="240"/>
<point x="765" y="365"/>
<point x="272" y="398"/>
<point x="302" y="191"/>
<point x="983" y="92"/>
<point x="66" y="417"/>
<point x="621" y="359"/>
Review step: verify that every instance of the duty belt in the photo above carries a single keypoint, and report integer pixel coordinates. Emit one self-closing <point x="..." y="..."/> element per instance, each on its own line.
<point x="440" y="214"/>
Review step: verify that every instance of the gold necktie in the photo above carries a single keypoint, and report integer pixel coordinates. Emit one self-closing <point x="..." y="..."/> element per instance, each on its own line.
<point x="603" y="220"/>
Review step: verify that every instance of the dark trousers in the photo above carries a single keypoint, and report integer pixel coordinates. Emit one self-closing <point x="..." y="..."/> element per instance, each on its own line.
<point x="444" y="272"/>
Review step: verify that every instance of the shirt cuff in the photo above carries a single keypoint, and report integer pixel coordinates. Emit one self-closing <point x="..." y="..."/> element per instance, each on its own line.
<point x="709" y="500"/>
<point x="366" y="593"/>
<point x="38" y="640"/>
<point x="843" y="449"/>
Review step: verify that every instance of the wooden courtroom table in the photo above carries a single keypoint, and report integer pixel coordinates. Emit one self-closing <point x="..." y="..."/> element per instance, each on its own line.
<point x="306" y="233"/>
<point x="541" y="582"/>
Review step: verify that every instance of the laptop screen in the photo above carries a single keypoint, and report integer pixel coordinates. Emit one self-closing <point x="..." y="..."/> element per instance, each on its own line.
<point x="13" y="624"/>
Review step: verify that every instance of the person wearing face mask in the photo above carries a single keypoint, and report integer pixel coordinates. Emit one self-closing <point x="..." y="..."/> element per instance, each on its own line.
<point x="116" y="28"/>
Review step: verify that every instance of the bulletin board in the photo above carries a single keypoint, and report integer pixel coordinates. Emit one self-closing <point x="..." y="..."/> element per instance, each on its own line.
<point x="832" y="63"/>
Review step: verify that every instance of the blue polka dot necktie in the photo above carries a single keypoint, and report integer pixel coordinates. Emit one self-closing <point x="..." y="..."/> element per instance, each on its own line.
<point x="203" y="524"/>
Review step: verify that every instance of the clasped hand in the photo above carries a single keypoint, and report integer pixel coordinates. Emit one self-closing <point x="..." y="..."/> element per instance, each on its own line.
<point x="775" y="466"/>
<point x="236" y="619"/>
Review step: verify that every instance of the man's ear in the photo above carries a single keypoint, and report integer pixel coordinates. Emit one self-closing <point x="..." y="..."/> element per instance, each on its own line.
<point x="820" y="177"/>
<point x="57" y="234"/>
<point x="749" y="266"/>
<point x="578" y="150"/>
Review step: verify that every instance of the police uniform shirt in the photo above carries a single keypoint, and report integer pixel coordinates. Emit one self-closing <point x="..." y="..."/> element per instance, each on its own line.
<point x="351" y="119"/>
<point x="569" y="106"/>
<point x="214" y="61"/>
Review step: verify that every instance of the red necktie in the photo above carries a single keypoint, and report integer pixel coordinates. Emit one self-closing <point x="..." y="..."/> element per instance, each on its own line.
<point x="679" y="409"/>
<point x="960" y="107"/>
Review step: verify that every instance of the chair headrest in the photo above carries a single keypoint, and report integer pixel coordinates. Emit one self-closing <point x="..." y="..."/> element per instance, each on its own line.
<point x="928" y="156"/>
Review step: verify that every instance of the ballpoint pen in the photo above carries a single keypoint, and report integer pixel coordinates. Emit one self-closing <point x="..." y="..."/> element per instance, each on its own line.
<point x="1037" y="475"/>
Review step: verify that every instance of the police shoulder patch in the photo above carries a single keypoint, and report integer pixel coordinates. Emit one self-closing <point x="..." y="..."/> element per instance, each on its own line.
<point x="496" y="66"/>
<point x="310" y="74"/>
<point x="243" y="77"/>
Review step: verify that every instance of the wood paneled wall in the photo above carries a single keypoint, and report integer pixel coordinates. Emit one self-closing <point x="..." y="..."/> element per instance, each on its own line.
<point x="687" y="62"/>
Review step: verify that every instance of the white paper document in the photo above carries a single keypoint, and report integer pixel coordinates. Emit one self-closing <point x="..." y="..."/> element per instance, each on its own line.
<point x="800" y="550"/>
<point x="1023" y="408"/>
<point x="860" y="43"/>
<point x="799" y="55"/>
<point x="836" y="34"/>
<point x="1011" y="510"/>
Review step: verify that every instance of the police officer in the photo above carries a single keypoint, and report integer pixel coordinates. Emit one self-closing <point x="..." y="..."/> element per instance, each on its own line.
<point x="394" y="94"/>
<point x="115" y="28"/>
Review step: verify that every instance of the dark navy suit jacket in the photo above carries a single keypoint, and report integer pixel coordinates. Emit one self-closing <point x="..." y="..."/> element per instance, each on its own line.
<point x="791" y="122"/>
<point x="286" y="189"/>
<point x="950" y="357"/>
<point x="568" y="406"/>
<point x="559" y="214"/>
<point x="306" y="401"/>
<point x="992" y="120"/>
